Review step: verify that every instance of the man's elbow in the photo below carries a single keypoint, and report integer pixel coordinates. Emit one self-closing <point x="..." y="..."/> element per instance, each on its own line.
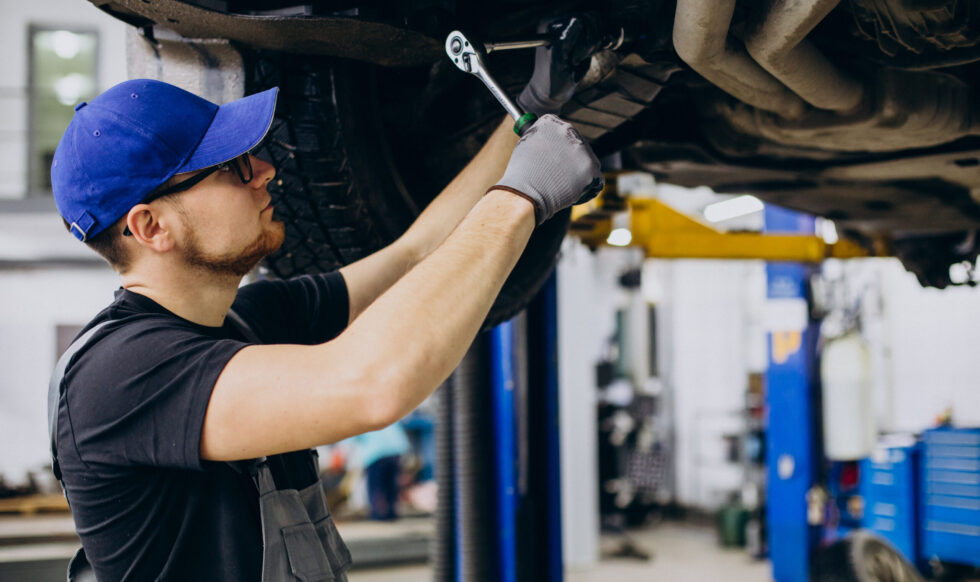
<point x="388" y="398"/>
<point x="395" y="393"/>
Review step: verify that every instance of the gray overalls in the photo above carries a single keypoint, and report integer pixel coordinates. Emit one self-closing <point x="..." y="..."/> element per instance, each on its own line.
<point x="299" y="539"/>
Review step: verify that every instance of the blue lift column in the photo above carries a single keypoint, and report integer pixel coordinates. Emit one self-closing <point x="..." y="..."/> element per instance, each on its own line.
<point x="504" y="376"/>
<point x="526" y="519"/>
<point x="791" y="455"/>
<point x="499" y="514"/>
<point x="541" y="532"/>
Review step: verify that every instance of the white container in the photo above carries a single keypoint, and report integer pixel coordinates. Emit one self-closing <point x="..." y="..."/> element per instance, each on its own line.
<point x="849" y="431"/>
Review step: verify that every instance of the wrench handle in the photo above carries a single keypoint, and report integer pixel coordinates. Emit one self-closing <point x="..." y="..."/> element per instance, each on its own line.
<point x="524" y="123"/>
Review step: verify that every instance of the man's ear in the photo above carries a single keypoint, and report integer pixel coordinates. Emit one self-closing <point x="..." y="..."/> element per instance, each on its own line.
<point x="150" y="227"/>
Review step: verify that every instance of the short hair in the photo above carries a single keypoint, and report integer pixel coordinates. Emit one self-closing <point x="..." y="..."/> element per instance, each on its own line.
<point x="109" y="243"/>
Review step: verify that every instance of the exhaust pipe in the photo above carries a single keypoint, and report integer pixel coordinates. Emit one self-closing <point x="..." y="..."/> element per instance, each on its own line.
<point x="782" y="72"/>
<point x="701" y="40"/>
<point x="780" y="46"/>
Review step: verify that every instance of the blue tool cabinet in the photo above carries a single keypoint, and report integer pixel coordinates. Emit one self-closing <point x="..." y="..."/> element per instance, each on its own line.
<point x="951" y="495"/>
<point x="888" y="486"/>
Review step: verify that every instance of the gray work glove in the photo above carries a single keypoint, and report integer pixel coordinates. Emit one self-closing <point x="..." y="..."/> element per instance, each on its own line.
<point x="552" y="167"/>
<point x="558" y="68"/>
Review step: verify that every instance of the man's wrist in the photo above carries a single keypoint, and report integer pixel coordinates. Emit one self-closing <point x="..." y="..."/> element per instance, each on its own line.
<point x="512" y="202"/>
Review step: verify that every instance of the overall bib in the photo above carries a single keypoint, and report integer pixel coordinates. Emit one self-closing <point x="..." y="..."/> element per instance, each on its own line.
<point x="299" y="538"/>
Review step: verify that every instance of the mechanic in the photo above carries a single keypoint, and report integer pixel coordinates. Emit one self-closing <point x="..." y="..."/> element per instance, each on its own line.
<point x="169" y="388"/>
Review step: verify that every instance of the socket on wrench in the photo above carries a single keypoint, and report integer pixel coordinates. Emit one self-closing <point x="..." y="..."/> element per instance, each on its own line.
<point x="467" y="57"/>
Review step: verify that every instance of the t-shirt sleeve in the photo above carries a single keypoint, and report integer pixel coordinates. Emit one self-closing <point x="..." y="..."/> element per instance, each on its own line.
<point x="308" y="309"/>
<point x="138" y="396"/>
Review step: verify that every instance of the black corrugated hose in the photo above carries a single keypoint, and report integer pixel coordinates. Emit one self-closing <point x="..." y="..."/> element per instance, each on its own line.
<point x="442" y="552"/>
<point x="472" y="442"/>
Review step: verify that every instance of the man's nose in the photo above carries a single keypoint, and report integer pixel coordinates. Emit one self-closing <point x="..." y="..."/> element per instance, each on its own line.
<point x="262" y="172"/>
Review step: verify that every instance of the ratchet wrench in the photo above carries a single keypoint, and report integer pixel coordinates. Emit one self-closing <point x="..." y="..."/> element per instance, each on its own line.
<point x="469" y="60"/>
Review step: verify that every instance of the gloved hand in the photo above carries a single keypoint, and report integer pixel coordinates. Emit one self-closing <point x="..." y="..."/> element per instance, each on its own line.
<point x="553" y="167"/>
<point x="558" y="68"/>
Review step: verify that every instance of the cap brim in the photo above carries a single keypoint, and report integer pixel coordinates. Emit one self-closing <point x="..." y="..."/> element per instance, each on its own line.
<point x="237" y="127"/>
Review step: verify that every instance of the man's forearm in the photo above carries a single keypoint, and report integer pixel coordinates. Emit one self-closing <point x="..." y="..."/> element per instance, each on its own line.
<point x="368" y="278"/>
<point x="446" y="211"/>
<point x="425" y="322"/>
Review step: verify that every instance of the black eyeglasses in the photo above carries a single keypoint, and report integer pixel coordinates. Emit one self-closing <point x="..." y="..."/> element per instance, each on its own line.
<point x="242" y="166"/>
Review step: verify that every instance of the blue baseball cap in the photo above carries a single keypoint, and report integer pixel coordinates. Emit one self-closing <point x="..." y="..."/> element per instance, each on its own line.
<point x="131" y="139"/>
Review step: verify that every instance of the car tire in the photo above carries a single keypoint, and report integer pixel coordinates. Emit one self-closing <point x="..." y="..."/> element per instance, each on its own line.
<point x="862" y="557"/>
<point x="339" y="190"/>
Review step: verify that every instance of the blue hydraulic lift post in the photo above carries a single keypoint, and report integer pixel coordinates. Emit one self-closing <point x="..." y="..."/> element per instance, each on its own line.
<point x="790" y="431"/>
<point x="505" y="450"/>
<point x="539" y="510"/>
<point x="458" y="524"/>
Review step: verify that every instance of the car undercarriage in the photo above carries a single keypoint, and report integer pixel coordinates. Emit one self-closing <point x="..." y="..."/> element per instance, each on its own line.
<point x="859" y="111"/>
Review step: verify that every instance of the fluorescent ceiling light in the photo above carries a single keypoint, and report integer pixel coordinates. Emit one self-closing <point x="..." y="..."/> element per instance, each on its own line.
<point x="619" y="237"/>
<point x="732" y="208"/>
<point x="66" y="44"/>
<point x="828" y="230"/>
<point x="958" y="273"/>
<point x="70" y="88"/>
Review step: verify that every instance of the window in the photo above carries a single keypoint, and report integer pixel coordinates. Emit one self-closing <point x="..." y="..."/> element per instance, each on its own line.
<point x="62" y="74"/>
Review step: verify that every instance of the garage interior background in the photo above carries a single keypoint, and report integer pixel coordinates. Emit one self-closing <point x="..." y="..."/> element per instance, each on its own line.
<point x="709" y="338"/>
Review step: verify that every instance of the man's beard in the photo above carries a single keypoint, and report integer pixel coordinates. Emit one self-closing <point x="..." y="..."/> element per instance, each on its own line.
<point x="238" y="264"/>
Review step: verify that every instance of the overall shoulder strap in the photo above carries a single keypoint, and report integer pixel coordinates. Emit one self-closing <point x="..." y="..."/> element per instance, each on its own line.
<point x="55" y="391"/>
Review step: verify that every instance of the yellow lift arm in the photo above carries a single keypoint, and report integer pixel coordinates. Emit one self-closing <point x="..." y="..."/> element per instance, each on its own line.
<point x="666" y="233"/>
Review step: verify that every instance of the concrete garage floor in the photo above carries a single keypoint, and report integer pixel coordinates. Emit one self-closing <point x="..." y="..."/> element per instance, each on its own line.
<point x="38" y="548"/>
<point x="681" y="552"/>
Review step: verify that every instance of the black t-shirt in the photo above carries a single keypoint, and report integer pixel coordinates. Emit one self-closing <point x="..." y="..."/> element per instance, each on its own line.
<point x="129" y="432"/>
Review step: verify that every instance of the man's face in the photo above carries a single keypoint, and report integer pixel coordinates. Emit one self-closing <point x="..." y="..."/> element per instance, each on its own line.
<point x="228" y="226"/>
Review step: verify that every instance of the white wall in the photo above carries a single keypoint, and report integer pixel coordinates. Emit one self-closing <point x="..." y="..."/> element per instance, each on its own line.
<point x="928" y="341"/>
<point x="34" y="301"/>
<point x="712" y="335"/>
<point x="39" y="236"/>
<point x="588" y="296"/>
<point x="17" y="15"/>
<point x="32" y="304"/>
<point x="577" y="350"/>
